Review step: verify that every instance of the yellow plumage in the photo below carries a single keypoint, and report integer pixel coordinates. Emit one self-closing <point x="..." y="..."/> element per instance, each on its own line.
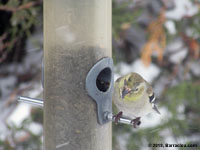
<point x="133" y="96"/>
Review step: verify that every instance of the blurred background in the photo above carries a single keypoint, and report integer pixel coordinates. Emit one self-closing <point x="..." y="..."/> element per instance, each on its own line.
<point x="158" y="39"/>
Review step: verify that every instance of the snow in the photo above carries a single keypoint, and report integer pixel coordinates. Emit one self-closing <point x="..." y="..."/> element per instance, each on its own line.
<point x="35" y="128"/>
<point x="195" y="69"/>
<point x="20" y="134"/>
<point x="6" y="85"/>
<point x="181" y="112"/>
<point x="170" y="25"/>
<point x="193" y="138"/>
<point x="14" y="115"/>
<point x="192" y="32"/>
<point x="122" y="140"/>
<point x="36" y="91"/>
<point x="121" y="69"/>
<point x="182" y="8"/>
<point x="21" y="112"/>
<point x="154" y="119"/>
<point x="160" y="84"/>
<point x="175" y="45"/>
<point x="168" y="138"/>
<point x="148" y="73"/>
<point x="179" y="56"/>
<point x="177" y="51"/>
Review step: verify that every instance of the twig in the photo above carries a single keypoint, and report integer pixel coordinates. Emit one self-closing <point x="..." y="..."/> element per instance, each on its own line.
<point x="12" y="98"/>
<point x="6" y="8"/>
<point x="24" y="6"/>
<point x="1" y="41"/>
<point x="4" y="46"/>
<point x="3" y="37"/>
<point x="3" y="57"/>
<point x="27" y="5"/>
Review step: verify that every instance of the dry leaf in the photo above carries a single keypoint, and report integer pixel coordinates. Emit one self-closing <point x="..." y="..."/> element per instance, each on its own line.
<point x="157" y="40"/>
<point x="193" y="46"/>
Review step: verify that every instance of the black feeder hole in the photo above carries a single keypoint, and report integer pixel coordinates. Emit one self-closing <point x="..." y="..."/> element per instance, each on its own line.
<point x="104" y="79"/>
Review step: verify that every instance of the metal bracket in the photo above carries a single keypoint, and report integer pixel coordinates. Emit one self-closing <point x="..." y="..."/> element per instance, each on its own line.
<point x="99" y="85"/>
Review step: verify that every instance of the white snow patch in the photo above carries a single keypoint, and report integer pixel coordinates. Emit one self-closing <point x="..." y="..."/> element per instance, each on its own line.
<point x="36" y="91"/>
<point x="154" y="119"/>
<point x="2" y="137"/>
<point x="179" y="56"/>
<point x="160" y="84"/>
<point x="175" y="45"/>
<point x="35" y="128"/>
<point x="21" y="112"/>
<point x="195" y="69"/>
<point x="191" y="32"/>
<point x="181" y="108"/>
<point x="20" y="134"/>
<point x="184" y="139"/>
<point x="168" y="138"/>
<point x="122" y="140"/>
<point x="180" y="111"/>
<point x="182" y="8"/>
<point x="6" y="85"/>
<point x="144" y="144"/>
<point x="148" y="73"/>
<point x="177" y="51"/>
<point x="121" y="69"/>
<point x="170" y="25"/>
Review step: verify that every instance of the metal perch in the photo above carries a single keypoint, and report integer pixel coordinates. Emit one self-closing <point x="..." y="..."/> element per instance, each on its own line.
<point x="40" y="102"/>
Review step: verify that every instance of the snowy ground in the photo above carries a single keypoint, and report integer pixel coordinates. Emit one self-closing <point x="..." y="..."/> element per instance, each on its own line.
<point x="12" y="112"/>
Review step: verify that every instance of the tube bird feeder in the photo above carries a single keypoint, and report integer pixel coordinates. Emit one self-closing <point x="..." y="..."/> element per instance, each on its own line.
<point x="77" y="34"/>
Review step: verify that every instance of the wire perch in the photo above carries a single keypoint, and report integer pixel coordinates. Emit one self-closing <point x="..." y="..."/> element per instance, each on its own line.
<point x="40" y="102"/>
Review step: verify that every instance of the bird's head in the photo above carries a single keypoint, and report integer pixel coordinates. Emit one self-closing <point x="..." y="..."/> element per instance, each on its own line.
<point x="132" y="87"/>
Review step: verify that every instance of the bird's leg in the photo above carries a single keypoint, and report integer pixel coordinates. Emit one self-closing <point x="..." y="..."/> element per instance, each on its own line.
<point x="136" y="122"/>
<point x="117" y="116"/>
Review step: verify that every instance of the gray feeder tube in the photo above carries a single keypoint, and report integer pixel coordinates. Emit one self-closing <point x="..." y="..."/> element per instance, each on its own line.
<point x="77" y="34"/>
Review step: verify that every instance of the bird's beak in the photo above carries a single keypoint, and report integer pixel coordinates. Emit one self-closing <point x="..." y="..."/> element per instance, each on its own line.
<point x="155" y="109"/>
<point x="125" y="91"/>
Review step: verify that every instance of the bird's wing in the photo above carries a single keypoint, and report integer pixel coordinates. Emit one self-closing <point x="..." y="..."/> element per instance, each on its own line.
<point x="150" y="93"/>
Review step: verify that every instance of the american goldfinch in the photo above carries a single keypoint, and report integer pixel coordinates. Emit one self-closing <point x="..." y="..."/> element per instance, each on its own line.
<point x="134" y="97"/>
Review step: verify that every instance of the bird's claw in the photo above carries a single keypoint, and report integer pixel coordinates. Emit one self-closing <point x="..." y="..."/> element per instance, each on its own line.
<point x="117" y="117"/>
<point x="136" y="122"/>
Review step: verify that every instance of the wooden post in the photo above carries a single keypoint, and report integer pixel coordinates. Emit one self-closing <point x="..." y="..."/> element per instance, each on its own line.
<point x="77" y="33"/>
